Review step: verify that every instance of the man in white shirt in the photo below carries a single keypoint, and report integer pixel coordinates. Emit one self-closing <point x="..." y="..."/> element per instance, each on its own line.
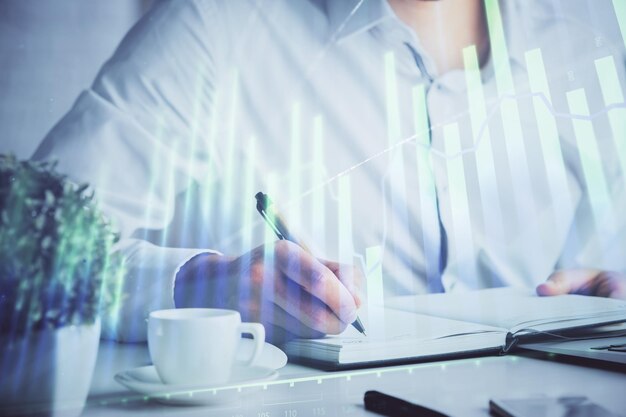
<point x="433" y="142"/>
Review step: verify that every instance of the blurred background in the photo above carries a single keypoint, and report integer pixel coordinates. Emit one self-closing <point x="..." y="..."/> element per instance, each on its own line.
<point x="50" y="51"/>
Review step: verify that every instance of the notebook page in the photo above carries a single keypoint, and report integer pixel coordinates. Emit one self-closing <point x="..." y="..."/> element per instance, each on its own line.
<point x="394" y="334"/>
<point x="513" y="309"/>
<point x="396" y="327"/>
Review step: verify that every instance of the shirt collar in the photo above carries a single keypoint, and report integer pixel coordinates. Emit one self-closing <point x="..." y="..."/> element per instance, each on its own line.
<point x="349" y="17"/>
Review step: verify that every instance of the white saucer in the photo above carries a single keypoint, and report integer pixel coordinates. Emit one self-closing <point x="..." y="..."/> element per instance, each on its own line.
<point x="271" y="356"/>
<point x="145" y="380"/>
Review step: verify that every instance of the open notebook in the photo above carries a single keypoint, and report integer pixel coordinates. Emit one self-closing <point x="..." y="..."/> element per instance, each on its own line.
<point x="439" y="326"/>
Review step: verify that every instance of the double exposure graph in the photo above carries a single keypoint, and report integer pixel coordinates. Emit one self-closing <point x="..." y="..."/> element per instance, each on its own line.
<point x="473" y="148"/>
<point x="464" y="192"/>
<point x="278" y="208"/>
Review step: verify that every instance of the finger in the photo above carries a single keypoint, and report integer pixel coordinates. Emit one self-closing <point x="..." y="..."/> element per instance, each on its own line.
<point x="273" y="315"/>
<point x="567" y="281"/>
<point x="350" y="276"/>
<point x="315" y="278"/>
<point x="273" y="287"/>
<point x="610" y="284"/>
<point x="306" y="308"/>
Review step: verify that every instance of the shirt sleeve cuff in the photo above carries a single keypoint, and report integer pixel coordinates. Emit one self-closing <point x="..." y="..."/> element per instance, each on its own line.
<point x="148" y="285"/>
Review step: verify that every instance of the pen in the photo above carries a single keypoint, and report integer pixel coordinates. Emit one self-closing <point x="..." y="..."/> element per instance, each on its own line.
<point x="277" y="224"/>
<point x="387" y="405"/>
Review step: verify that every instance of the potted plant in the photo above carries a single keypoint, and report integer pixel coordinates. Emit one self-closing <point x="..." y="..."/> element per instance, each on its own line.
<point x="55" y="260"/>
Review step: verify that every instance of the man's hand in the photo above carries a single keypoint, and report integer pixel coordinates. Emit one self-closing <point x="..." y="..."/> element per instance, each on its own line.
<point x="280" y="285"/>
<point x="585" y="282"/>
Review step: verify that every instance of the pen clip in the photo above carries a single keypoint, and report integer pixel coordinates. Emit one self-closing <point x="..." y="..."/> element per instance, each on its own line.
<point x="275" y="222"/>
<point x="262" y="204"/>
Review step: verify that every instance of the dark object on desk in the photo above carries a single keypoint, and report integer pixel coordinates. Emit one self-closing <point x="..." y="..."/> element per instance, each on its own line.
<point x="387" y="405"/>
<point x="277" y="224"/>
<point x="548" y="407"/>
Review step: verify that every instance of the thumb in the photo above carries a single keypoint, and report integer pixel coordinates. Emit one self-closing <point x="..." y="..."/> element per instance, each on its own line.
<point x="566" y="281"/>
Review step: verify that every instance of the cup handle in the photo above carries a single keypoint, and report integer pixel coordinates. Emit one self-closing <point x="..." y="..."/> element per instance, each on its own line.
<point x="258" y="333"/>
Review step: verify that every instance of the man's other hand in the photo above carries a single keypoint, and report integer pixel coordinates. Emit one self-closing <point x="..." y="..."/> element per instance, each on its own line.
<point x="585" y="282"/>
<point x="279" y="285"/>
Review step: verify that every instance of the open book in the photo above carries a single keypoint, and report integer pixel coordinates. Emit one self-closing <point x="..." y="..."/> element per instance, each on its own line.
<point x="439" y="326"/>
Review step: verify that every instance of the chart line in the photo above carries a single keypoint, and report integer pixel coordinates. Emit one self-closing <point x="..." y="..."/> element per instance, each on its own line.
<point x="478" y="139"/>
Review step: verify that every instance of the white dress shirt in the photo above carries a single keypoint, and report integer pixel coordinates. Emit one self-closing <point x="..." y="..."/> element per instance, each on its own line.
<point x="468" y="179"/>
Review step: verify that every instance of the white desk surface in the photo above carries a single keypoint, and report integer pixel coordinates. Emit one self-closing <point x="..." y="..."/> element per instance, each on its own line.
<point x="458" y="388"/>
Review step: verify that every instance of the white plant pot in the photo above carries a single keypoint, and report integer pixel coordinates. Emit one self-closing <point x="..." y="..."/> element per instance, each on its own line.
<point x="48" y="373"/>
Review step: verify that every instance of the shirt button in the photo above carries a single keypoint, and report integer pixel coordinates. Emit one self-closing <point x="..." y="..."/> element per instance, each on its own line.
<point x="436" y="85"/>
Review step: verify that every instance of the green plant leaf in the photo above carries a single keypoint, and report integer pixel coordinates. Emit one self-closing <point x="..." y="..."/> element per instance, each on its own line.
<point x="57" y="266"/>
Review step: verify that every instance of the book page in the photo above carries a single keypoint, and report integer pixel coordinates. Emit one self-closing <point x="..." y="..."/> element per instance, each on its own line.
<point x="513" y="309"/>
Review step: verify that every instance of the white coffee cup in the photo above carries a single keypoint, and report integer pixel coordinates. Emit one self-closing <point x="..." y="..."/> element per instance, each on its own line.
<point x="198" y="345"/>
